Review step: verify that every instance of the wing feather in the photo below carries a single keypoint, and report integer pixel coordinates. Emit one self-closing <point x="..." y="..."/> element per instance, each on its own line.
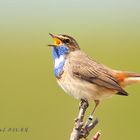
<point x="89" y="70"/>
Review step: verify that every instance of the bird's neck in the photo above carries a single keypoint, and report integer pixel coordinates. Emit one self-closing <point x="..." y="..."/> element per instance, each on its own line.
<point x="59" y="56"/>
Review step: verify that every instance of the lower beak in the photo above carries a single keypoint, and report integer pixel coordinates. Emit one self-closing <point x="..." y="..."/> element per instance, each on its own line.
<point x="52" y="45"/>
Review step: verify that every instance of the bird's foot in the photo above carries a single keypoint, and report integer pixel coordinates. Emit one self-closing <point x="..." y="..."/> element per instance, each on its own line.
<point x="83" y="104"/>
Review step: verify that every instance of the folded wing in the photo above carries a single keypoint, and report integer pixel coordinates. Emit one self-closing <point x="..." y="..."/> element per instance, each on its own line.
<point x="89" y="70"/>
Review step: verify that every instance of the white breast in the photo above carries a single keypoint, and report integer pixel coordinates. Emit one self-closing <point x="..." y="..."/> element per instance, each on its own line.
<point x="58" y="61"/>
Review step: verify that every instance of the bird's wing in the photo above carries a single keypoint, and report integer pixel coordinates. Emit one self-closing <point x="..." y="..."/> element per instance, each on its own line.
<point x="89" y="70"/>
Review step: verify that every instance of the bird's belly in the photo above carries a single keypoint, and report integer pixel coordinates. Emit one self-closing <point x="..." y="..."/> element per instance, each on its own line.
<point x="81" y="89"/>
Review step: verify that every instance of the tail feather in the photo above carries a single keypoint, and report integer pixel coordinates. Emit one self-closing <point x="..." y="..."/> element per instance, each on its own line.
<point x="128" y="78"/>
<point x="133" y="75"/>
<point x="132" y="78"/>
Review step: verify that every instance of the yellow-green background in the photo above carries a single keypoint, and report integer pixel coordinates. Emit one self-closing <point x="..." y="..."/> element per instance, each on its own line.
<point x="108" y="30"/>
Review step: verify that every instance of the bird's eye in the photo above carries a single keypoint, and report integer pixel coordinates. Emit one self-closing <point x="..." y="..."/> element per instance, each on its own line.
<point x="67" y="41"/>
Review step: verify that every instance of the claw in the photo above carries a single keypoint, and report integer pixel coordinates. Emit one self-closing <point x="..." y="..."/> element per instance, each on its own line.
<point x="83" y="104"/>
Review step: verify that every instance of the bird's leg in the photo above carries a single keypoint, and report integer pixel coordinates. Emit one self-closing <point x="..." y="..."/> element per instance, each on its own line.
<point x="90" y="118"/>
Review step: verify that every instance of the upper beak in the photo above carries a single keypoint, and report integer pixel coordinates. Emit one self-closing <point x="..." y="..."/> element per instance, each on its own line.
<point x="57" y="40"/>
<point x="53" y="36"/>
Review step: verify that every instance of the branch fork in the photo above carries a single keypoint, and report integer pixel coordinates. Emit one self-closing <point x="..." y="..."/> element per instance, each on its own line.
<point x="80" y="129"/>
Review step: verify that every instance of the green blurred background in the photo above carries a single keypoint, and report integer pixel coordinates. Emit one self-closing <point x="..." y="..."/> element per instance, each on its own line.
<point x="108" y="31"/>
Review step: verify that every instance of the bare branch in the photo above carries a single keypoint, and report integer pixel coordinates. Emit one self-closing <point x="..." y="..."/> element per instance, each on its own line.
<point x="76" y="133"/>
<point x="96" y="136"/>
<point x="80" y="130"/>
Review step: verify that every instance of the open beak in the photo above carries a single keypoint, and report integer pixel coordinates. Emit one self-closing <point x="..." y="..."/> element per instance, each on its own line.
<point x="57" y="40"/>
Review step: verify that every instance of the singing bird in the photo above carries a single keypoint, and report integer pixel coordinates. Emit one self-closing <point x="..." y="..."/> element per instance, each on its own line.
<point x="83" y="77"/>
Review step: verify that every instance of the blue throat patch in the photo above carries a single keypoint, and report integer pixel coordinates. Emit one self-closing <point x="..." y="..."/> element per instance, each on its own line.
<point x="59" y="54"/>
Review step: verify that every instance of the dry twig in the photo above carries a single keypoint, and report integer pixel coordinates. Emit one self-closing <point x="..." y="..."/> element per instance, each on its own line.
<point x="80" y="130"/>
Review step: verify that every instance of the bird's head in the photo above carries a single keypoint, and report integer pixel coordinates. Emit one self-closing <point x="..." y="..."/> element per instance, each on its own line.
<point x="63" y="45"/>
<point x="65" y="41"/>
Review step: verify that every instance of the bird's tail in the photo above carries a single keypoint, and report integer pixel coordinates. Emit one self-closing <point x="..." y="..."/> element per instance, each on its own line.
<point x="127" y="78"/>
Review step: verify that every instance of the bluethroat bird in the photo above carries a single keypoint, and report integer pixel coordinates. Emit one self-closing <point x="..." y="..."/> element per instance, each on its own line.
<point x="83" y="77"/>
